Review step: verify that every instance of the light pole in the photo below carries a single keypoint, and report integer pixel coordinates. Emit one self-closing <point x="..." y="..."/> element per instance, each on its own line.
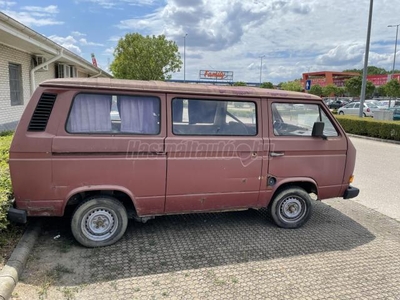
<point x="395" y="47"/>
<point x="364" y="77"/>
<point x="184" y="57"/>
<point x="262" y="56"/>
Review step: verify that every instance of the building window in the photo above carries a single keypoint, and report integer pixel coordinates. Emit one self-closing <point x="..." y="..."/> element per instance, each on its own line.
<point x="66" y="71"/>
<point x="16" y="91"/>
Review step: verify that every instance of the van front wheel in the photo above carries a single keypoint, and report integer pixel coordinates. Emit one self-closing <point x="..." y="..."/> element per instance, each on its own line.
<point x="99" y="221"/>
<point x="291" y="208"/>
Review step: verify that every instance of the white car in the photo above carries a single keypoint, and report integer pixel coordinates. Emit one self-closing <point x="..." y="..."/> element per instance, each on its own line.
<point x="377" y="103"/>
<point x="353" y="108"/>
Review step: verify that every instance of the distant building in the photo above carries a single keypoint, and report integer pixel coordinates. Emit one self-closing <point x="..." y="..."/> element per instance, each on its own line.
<point x="27" y="58"/>
<point x="323" y="78"/>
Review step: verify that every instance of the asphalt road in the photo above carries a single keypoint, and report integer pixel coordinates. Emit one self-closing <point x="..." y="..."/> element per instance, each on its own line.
<point x="377" y="175"/>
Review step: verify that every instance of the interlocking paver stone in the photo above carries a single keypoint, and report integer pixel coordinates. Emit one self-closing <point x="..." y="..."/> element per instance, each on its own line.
<point x="345" y="251"/>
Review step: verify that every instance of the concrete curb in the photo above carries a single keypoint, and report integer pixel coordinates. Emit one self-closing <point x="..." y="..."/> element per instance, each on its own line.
<point x="373" y="139"/>
<point x="14" y="267"/>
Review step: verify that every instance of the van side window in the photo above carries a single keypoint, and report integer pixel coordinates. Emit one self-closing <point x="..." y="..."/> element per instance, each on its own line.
<point x="213" y="117"/>
<point x="298" y="119"/>
<point x="97" y="113"/>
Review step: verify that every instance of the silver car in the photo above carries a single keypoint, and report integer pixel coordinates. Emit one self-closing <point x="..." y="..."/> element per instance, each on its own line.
<point x="353" y="108"/>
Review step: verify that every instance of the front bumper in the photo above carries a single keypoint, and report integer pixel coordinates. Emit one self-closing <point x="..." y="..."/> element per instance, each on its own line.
<point x="17" y="215"/>
<point x="351" y="192"/>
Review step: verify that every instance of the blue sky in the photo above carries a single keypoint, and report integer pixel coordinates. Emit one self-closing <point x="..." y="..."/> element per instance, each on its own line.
<point x="231" y="35"/>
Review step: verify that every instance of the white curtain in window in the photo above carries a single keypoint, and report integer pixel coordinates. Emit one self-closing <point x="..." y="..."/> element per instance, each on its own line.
<point x="139" y="114"/>
<point x="90" y="113"/>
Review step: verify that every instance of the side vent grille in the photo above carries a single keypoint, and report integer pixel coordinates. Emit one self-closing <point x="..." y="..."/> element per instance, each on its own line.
<point x="42" y="112"/>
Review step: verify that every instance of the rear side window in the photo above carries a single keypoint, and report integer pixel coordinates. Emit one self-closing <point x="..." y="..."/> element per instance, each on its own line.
<point x="103" y="113"/>
<point x="213" y="117"/>
<point x="298" y="119"/>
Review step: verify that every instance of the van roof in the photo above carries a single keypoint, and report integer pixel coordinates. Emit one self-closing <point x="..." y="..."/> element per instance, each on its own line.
<point x="172" y="87"/>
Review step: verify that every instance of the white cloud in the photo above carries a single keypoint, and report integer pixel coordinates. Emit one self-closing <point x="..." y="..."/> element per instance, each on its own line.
<point x="78" y="34"/>
<point x="71" y="43"/>
<point x="109" y="51"/>
<point x="294" y="36"/>
<point x="7" y="3"/>
<point x="51" y="9"/>
<point x="118" y="4"/>
<point x="36" y="15"/>
<point x="114" y="38"/>
<point x="30" y="20"/>
<point x="84" y="42"/>
<point x="68" y="42"/>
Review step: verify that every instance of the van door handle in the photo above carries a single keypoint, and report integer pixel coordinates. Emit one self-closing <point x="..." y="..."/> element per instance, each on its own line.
<point x="276" y="154"/>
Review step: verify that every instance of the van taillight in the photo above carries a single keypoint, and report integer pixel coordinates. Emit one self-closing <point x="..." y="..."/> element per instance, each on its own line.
<point x="368" y="110"/>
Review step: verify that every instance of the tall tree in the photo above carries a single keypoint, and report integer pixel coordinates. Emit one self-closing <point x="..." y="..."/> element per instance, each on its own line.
<point x="371" y="70"/>
<point x="145" y="57"/>
<point x="392" y="88"/>
<point x="330" y="89"/>
<point x="353" y="87"/>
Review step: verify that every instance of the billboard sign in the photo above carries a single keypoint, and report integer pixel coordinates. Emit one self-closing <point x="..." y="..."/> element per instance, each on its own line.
<point x="216" y="75"/>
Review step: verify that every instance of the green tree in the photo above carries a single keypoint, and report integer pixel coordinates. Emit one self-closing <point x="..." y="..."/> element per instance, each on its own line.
<point x="353" y="87"/>
<point x="329" y="90"/>
<point x="316" y="89"/>
<point x="239" y="83"/>
<point x="267" y="85"/>
<point x="392" y="88"/>
<point x="381" y="90"/>
<point x="292" y="86"/>
<point x="371" y="70"/>
<point x="353" y="71"/>
<point x="145" y="57"/>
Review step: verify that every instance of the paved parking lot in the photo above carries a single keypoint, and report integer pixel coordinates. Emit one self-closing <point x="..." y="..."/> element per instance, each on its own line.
<point x="346" y="251"/>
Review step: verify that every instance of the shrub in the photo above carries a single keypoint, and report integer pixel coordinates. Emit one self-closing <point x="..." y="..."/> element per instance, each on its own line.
<point x="5" y="180"/>
<point x="389" y="130"/>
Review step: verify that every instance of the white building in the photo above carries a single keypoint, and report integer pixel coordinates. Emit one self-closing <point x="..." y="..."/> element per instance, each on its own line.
<point x="27" y="58"/>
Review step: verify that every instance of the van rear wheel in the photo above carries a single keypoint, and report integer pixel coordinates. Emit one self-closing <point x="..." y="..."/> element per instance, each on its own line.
<point x="99" y="221"/>
<point x="291" y="208"/>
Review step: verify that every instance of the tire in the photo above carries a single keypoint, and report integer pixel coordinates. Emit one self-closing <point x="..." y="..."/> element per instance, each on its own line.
<point x="293" y="198"/>
<point x="107" y="211"/>
<point x="341" y="113"/>
<point x="364" y="115"/>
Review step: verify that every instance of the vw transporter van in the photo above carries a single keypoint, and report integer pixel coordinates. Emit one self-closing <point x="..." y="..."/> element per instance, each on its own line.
<point x="105" y="150"/>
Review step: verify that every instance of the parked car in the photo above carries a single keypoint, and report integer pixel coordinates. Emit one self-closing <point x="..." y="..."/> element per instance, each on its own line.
<point x="396" y="113"/>
<point x="377" y="103"/>
<point x="353" y="108"/>
<point x="174" y="148"/>
<point x="335" y="104"/>
<point x="393" y="103"/>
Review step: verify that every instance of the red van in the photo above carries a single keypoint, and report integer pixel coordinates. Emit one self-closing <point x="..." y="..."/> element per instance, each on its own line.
<point x="106" y="150"/>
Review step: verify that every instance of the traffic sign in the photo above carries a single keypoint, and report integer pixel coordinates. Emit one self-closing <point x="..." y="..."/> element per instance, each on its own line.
<point x="308" y="84"/>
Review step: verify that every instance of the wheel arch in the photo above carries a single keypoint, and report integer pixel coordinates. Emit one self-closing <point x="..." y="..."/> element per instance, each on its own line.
<point x="308" y="184"/>
<point x="77" y="195"/>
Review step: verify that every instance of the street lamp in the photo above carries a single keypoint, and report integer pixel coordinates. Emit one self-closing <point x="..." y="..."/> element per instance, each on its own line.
<point x="395" y="46"/>
<point x="262" y="56"/>
<point x="364" y="77"/>
<point x="184" y="57"/>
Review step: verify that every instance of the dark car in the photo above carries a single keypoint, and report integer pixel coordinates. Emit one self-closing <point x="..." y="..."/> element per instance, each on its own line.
<point x="337" y="104"/>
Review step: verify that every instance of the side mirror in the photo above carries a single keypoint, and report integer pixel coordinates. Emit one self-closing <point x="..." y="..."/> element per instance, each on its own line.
<point x="318" y="130"/>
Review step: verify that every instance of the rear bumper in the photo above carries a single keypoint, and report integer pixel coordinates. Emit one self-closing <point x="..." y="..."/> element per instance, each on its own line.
<point x="17" y="215"/>
<point x="351" y="192"/>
